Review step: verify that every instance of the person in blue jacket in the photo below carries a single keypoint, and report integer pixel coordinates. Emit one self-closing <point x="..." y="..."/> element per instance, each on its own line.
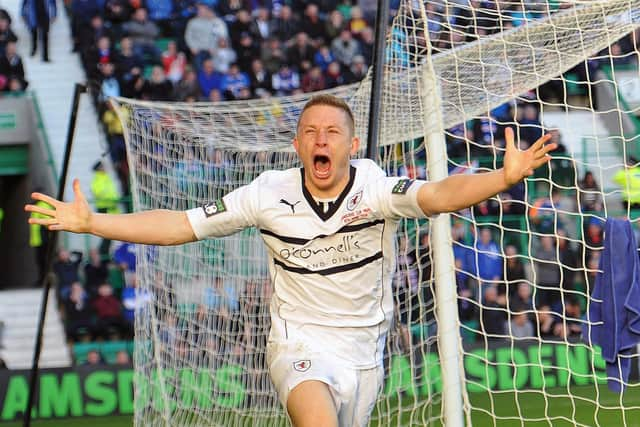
<point x="38" y="15"/>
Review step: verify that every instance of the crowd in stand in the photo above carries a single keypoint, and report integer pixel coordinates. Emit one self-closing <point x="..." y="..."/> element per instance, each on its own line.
<point x="234" y="50"/>
<point x="215" y="51"/>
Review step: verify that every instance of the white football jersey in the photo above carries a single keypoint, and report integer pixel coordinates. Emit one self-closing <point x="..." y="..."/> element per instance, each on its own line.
<point x="330" y="267"/>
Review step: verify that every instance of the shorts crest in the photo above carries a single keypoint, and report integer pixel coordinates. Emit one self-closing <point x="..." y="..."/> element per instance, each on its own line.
<point x="302" y="365"/>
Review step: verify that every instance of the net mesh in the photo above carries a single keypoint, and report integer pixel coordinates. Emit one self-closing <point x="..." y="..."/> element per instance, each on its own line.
<point x="525" y="260"/>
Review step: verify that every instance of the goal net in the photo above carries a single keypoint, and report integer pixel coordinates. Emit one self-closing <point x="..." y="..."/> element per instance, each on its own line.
<point x="524" y="262"/>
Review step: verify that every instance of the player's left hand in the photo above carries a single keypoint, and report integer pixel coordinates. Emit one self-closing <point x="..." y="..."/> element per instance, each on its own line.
<point x="519" y="164"/>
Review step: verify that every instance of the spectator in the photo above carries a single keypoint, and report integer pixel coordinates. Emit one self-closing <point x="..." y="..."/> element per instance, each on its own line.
<point x="224" y="56"/>
<point x="95" y="272"/>
<point x="109" y="83"/>
<point x="38" y="15"/>
<point x="273" y="55"/>
<point x="323" y="57"/>
<point x="487" y="207"/>
<point x="345" y="48"/>
<point x="222" y="297"/>
<point x="520" y="325"/>
<point x="590" y="194"/>
<point x="117" y="149"/>
<point x="571" y="323"/>
<point x="209" y="79"/>
<point x="127" y="60"/>
<point x="357" y="23"/>
<point x="11" y="64"/>
<point x="157" y="88"/>
<point x="593" y="236"/>
<point x="285" y="25"/>
<point x="143" y="34"/>
<point x="334" y="25"/>
<point x="514" y="267"/>
<point x="202" y="34"/>
<point x="261" y="79"/>
<point x="521" y="299"/>
<point x="511" y="219"/>
<point x="125" y="258"/>
<point x="628" y="179"/>
<point x="94" y="358"/>
<point x="285" y="81"/>
<point x="109" y="321"/>
<point x="106" y="198"/>
<point x="183" y="11"/>
<point x="78" y="314"/>
<point x="65" y="268"/>
<point x="301" y="53"/>
<point x="405" y="287"/>
<point x="246" y="52"/>
<point x="161" y="13"/>
<point x="234" y="82"/>
<point x="215" y="96"/>
<point x="489" y="257"/>
<point x="38" y="240"/>
<point x="123" y="358"/>
<point x="240" y="26"/>
<point x="545" y="322"/>
<point x="133" y="299"/>
<point x="313" y="25"/>
<point x="260" y="28"/>
<point x="117" y="12"/>
<point x="90" y="35"/>
<point x="492" y="315"/>
<point x="543" y="213"/>
<point x="188" y="86"/>
<point x="547" y="272"/>
<point x="6" y="34"/>
<point x="82" y="11"/>
<point x="333" y="76"/>
<point x="313" y="80"/>
<point x="530" y="126"/>
<point x="569" y="260"/>
<point x="98" y="55"/>
<point x="173" y="62"/>
<point x="358" y="70"/>
<point x="367" y="41"/>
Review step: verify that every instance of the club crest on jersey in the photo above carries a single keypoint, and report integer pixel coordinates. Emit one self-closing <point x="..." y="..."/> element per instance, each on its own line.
<point x="302" y="365"/>
<point x="214" y="208"/>
<point x="354" y="201"/>
<point x="402" y="186"/>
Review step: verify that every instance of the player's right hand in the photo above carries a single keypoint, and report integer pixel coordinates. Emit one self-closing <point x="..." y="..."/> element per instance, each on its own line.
<point x="73" y="216"/>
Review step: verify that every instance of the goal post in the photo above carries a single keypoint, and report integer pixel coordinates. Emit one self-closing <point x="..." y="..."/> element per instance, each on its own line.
<point x="461" y="352"/>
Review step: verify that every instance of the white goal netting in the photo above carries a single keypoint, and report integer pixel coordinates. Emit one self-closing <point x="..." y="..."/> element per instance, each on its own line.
<point x="524" y="262"/>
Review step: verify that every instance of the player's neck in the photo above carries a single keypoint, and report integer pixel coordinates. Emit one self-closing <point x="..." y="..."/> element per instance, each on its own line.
<point x="329" y="193"/>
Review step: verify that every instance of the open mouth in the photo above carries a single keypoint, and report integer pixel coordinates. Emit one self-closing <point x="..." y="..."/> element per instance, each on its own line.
<point x="321" y="165"/>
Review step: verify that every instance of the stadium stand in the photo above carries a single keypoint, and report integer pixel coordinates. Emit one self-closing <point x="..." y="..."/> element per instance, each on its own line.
<point x="156" y="50"/>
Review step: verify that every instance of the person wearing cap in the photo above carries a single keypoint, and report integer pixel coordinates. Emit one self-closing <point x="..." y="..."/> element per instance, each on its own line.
<point x="628" y="179"/>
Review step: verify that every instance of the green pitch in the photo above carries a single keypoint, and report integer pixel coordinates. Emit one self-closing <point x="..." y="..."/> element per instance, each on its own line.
<point x="586" y="406"/>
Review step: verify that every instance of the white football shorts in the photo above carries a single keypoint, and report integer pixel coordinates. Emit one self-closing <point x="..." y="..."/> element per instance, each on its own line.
<point x="295" y="356"/>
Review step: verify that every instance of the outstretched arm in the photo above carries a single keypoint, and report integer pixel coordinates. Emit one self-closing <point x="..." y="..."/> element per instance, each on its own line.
<point x="461" y="191"/>
<point x="154" y="227"/>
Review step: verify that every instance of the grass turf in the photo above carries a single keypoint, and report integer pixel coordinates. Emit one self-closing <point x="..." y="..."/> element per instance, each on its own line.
<point x="529" y="408"/>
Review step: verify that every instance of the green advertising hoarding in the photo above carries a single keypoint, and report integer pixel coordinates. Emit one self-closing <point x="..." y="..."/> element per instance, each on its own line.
<point x="108" y="390"/>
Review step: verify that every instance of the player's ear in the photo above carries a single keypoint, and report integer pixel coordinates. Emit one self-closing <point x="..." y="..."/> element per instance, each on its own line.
<point x="295" y="143"/>
<point x="355" y="145"/>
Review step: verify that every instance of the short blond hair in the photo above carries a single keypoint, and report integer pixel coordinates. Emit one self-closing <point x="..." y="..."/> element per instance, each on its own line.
<point x="332" y="101"/>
